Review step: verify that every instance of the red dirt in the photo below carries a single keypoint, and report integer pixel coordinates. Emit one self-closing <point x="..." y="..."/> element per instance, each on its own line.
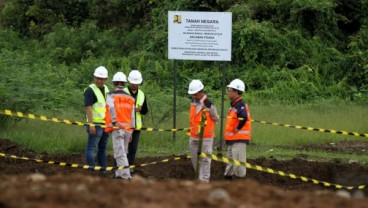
<point x="171" y="184"/>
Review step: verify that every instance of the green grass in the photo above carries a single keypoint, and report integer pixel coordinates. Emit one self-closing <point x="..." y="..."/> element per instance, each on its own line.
<point x="46" y="136"/>
<point x="289" y="152"/>
<point x="267" y="140"/>
<point x="352" y="118"/>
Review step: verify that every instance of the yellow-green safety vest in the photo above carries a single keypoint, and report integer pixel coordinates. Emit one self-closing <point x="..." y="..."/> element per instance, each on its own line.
<point x="138" y="102"/>
<point x="99" y="107"/>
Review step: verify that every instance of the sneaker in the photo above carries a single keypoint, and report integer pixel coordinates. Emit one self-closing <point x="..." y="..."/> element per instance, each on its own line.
<point x="121" y="178"/>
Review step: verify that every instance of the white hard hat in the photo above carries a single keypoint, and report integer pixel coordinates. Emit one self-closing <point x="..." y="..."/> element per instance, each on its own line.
<point x="135" y="77"/>
<point x="237" y="84"/>
<point x="119" y="77"/>
<point x="101" y="72"/>
<point x="195" y="86"/>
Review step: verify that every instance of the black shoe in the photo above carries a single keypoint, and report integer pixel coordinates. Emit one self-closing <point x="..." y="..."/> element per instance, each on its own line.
<point x="228" y="178"/>
<point x="120" y="178"/>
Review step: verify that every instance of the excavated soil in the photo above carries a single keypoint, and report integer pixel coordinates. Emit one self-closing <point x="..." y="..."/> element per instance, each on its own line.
<point x="170" y="184"/>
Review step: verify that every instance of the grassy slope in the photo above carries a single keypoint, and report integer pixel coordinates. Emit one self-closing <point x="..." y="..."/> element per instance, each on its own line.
<point x="268" y="140"/>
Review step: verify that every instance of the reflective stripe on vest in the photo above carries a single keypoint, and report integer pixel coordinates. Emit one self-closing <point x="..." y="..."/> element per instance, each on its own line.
<point x="98" y="108"/>
<point x="138" y="102"/>
<point x="195" y="122"/>
<point x="232" y="122"/>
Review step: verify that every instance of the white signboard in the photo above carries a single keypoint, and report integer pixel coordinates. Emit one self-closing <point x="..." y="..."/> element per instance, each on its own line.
<point x="200" y="35"/>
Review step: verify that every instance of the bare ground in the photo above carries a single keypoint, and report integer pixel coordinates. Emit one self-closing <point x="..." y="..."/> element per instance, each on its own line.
<point x="171" y="184"/>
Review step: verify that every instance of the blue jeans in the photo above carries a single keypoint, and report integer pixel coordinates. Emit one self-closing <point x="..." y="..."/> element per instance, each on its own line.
<point x="99" y="142"/>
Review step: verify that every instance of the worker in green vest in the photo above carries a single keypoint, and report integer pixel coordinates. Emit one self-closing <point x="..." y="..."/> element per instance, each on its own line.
<point x="95" y="102"/>
<point x="135" y="80"/>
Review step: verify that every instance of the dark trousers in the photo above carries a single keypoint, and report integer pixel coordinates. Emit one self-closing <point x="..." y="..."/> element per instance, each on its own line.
<point x="133" y="146"/>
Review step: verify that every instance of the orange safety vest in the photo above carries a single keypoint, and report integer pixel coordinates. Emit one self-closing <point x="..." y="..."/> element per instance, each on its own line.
<point x="195" y="122"/>
<point x="232" y="122"/>
<point x="124" y="107"/>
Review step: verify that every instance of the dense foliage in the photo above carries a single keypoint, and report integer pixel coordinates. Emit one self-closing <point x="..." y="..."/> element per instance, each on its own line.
<point x="290" y="51"/>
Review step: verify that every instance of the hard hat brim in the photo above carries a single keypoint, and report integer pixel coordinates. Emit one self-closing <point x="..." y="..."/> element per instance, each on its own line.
<point x="234" y="88"/>
<point x="135" y="82"/>
<point x="192" y="92"/>
<point x="99" y="76"/>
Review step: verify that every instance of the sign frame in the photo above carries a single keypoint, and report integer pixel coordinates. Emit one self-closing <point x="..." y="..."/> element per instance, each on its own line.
<point x="199" y="35"/>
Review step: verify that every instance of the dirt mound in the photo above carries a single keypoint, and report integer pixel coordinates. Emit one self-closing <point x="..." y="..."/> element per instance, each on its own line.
<point x="168" y="184"/>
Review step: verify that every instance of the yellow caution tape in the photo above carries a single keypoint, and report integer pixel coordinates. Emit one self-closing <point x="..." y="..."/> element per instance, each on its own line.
<point x="311" y="128"/>
<point x="78" y="123"/>
<point x="281" y="173"/>
<point x="96" y="168"/>
<point x="56" y="120"/>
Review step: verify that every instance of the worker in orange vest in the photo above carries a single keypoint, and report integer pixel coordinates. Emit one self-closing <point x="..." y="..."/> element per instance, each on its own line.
<point x="237" y="130"/>
<point x="200" y="102"/>
<point x="120" y="120"/>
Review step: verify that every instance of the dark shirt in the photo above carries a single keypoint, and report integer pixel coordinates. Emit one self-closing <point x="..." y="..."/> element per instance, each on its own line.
<point x="89" y="96"/>
<point x="144" y="109"/>
<point x="239" y="105"/>
<point x="208" y="103"/>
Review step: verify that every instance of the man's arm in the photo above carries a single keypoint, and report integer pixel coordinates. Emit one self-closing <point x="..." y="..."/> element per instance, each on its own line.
<point x="88" y="102"/>
<point x="92" y="129"/>
<point x="89" y="114"/>
<point x="242" y="114"/>
<point x="111" y="106"/>
<point x="213" y="113"/>
<point x="144" y="108"/>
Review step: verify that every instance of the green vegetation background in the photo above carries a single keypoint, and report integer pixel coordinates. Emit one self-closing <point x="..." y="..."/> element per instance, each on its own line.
<point x="304" y="53"/>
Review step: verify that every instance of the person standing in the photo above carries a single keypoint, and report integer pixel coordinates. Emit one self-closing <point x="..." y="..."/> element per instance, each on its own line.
<point x="94" y="102"/>
<point x="120" y="114"/>
<point x="200" y="102"/>
<point x="237" y="130"/>
<point x="135" y="80"/>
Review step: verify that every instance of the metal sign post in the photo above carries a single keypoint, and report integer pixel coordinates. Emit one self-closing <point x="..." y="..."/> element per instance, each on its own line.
<point x="222" y="106"/>
<point x="174" y="100"/>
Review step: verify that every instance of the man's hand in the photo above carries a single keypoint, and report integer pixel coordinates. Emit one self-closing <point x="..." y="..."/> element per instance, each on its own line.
<point x="92" y="130"/>
<point x="138" y="109"/>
